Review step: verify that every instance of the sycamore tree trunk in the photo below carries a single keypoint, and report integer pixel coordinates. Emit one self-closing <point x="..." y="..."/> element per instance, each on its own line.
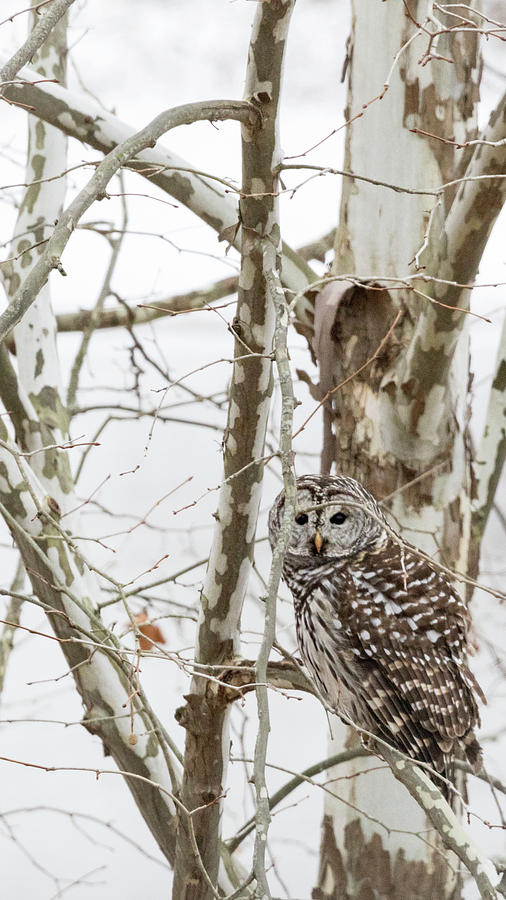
<point x="400" y="424"/>
<point x="205" y="716"/>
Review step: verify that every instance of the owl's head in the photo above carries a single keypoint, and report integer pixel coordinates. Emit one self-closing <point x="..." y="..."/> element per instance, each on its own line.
<point x="336" y="518"/>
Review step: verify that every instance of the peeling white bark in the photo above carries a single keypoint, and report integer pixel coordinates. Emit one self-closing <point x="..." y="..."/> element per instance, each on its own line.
<point x="394" y="423"/>
<point x="232" y="547"/>
<point x="35" y="337"/>
<point x="83" y="119"/>
<point x="491" y="453"/>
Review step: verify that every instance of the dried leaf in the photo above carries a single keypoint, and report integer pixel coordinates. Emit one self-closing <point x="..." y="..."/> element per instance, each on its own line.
<point x="150" y="633"/>
<point x="229" y="234"/>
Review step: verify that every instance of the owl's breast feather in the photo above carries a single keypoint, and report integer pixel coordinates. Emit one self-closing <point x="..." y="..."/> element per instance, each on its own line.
<point x="326" y="649"/>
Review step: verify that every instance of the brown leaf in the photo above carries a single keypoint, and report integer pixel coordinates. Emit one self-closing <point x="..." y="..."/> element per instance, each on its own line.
<point x="150" y="633"/>
<point x="229" y="234"/>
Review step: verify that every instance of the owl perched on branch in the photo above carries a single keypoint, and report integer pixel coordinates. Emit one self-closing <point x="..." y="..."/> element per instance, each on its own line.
<point x="381" y="631"/>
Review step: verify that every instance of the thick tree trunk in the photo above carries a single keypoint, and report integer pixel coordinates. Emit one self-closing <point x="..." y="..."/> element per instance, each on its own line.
<point x="205" y="717"/>
<point x="403" y="415"/>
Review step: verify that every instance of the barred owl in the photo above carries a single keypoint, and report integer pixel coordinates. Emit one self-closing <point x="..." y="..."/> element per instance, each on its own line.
<point x="381" y="631"/>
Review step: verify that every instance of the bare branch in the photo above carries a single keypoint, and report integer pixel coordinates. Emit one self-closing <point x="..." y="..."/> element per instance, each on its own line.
<point x="40" y="33"/>
<point x="87" y="121"/>
<point x="429" y="797"/>
<point x="180" y="115"/>
<point x="277" y="298"/>
<point x="12" y="615"/>
<point x="64" y="584"/>
<point x="206" y="753"/>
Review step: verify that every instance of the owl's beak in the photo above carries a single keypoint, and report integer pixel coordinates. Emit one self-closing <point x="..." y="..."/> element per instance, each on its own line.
<point x="318" y="541"/>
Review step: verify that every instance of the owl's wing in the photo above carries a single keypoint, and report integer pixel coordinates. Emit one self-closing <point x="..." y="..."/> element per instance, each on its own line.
<point x="409" y="619"/>
<point x="394" y="718"/>
<point x="425" y="692"/>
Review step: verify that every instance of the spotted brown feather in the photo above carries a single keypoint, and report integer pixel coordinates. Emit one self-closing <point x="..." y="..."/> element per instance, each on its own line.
<point x="381" y="631"/>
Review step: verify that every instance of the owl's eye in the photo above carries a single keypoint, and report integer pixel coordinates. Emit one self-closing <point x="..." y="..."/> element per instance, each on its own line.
<point x="301" y="519"/>
<point x="338" y="518"/>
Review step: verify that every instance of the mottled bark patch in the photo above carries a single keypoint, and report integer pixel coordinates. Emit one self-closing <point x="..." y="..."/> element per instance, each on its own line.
<point x="362" y="320"/>
<point x="437" y="116"/>
<point x="48" y="405"/>
<point x="500" y="379"/>
<point x="11" y="497"/>
<point x="367" y="870"/>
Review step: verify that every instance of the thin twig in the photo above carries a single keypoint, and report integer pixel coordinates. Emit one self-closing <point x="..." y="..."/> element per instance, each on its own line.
<point x="262" y="818"/>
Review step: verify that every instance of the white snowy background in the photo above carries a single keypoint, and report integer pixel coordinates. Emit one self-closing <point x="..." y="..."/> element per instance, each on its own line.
<point x="140" y="59"/>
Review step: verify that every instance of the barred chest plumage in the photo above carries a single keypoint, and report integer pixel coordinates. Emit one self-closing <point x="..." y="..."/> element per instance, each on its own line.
<point x="321" y="613"/>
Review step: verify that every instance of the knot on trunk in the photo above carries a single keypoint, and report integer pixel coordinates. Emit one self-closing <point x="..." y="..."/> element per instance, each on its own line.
<point x="199" y="712"/>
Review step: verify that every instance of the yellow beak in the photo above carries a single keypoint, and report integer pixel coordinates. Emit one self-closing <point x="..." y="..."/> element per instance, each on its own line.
<point x="318" y="541"/>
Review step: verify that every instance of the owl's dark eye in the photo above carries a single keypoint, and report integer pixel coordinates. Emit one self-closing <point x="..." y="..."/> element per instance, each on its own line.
<point x="338" y="518"/>
<point x="301" y="519"/>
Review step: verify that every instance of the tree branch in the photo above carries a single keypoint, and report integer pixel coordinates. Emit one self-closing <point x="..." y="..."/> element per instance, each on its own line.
<point x="206" y="717"/>
<point x="86" y="121"/>
<point x="66" y="587"/>
<point x="180" y="115"/>
<point x="62" y="580"/>
<point x="429" y="797"/>
<point x="453" y="251"/>
<point x="12" y="617"/>
<point x="39" y="375"/>
<point x="36" y="38"/>
<point x="277" y="298"/>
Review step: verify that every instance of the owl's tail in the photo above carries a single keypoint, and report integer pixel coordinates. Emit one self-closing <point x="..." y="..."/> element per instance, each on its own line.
<point x="473" y="752"/>
<point x="448" y="774"/>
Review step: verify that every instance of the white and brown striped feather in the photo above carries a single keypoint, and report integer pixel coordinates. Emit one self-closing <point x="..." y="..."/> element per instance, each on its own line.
<point x="382" y="632"/>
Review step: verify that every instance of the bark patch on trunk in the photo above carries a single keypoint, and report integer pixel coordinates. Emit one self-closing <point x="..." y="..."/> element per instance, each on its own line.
<point x="366" y="870"/>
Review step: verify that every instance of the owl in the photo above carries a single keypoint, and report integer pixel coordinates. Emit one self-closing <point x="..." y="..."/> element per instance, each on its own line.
<point x="381" y="631"/>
